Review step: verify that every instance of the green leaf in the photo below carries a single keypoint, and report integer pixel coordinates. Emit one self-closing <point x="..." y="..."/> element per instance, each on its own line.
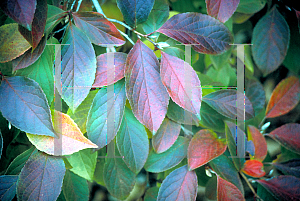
<point x="176" y="52"/>
<point x="83" y="163"/>
<point x="151" y="194"/>
<point x="8" y="187"/>
<point x="168" y="159"/>
<point x="132" y="142"/>
<point x="256" y="94"/>
<point x="250" y="6"/>
<point x="54" y="16"/>
<point x="211" y="119"/>
<point x="75" y="187"/>
<point x="1" y="144"/>
<point x="220" y="60"/>
<point x="98" y="174"/>
<point x="41" y="178"/>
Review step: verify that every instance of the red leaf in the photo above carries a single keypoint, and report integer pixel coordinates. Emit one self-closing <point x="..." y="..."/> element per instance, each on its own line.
<point x="221" y="9"/>
<point x="103" y="68"/>
<point x="259" y="142"/>
<point x="38" y="24"/>
<point x="196" y="28"/>
<point x="288" y="136"/>
<point x="226" y="191"/>
<point x="99" y="30"/>
<point x="29" y="57"/>
<point x="19" y="10"/>
<point x="166" y="135"/>
<point x="181" y="184"/>
<point x="146" y="93"/>
<point x="204" y="146"/>
<point x="284" y="98"/>
<point x="285" y="188"/>
<point x="254" y="168"/>
<point x="182" y="83"/>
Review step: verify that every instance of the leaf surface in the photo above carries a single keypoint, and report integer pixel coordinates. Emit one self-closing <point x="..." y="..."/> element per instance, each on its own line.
<point x="182" y="83"/>
<point x="54" y="16"/>
<point x="254" y="168"/>
<point x="181" y="184"/>
<point x="291" y="167"/>
<point x="144" y="87"/>
<point x="204" y="146"/>
<point x="284" y="98"/>
<point x="151" y="194"/>
<point x="256" y="94"/>
<point x="1" y="144"/>
<point x="72" y="139"/>
<point x="259" y="142"/>
<point x="221" y="9"/>
<point x="250" y="6"/>
<point x="41" y="178"/>
<point x="270" y="41"/>
<point x="211" y="119"/>
<point x="8" y="187"/>
<point x="25" y="106"/>
<point x="98" y="29"/>
<point x="206" y="34"/>
<point x="226" y="191"/>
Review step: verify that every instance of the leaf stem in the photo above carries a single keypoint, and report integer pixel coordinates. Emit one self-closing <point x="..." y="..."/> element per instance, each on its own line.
<point x="261" y="123"/>
<point x="78" y="5"/>
<point x="121" y="23"/>
<point x="126" y="36"/>
<point x="98" y="7"/>
<point x="250" y="186"/>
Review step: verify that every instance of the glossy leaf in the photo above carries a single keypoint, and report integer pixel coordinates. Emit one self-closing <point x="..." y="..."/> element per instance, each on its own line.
<point x="284" y="188"/>
<point x="226" y="191"/>
<point x="78" y="66"/>
<point x="284" y="98"/>
<point x="119" y="179"/>
<point x="72" y="139"/>
<point x="254" y="168"/>
<point x="30" y="56"/>
<point x="38" y="24"/>
<point x="168" y="159"/>
<point x="144" y="86"/>
<point x="166" y="135"/>
<point x="288" y="136"/>
<point x="221" y="9"/>
<point x="135" y="11"/>
<point x="13" y="44"/>
<point x="103" y="68"/>
<point x="270" y="41"/>
<point x="42" y="72"/>
<point x="206" y="34"/>
<point x="256" y="94"/>
<point x="181" y="184"/>
<point x="75" y="188"/>
<point x="98" y="29"/>
<point x="25" y="106"/>
<point x="41" y="178"/>
<point x="174" y="73"/>
<point x="151" y="194"/>
<point x="211" y="119"/>
<point x="132" y="142"/>
<point x="54" y="16"/>
<point x="81" y="113"/>
<point x="225" y="168"/>
<point x="1" y="144"/>
<point x="83" y="163"/>
<point x="250" y="6"/>
<point x="105" y="107"/>
<point x="291" y="167"/>
<point x="8" y="187"/>
<point x="204" y="146"/>
<point x="259" y="142"/>
<point x="225" y="102"/>
<point x="20" y="11"/>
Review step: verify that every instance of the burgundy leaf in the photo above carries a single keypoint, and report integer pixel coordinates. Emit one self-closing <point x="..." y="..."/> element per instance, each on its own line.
<point x="291" y="167"/>
<point x="19" y="10"/>
<point x="206" y="34"/>
<point x="285" y="188"/>
<point x="103" y="68"/>
<point x="182" y="83"/>
<point x="99" y="30"/>
<point x="226" y="191"/>
<point x="221" y="9"/>
<point x="145" y="91"/>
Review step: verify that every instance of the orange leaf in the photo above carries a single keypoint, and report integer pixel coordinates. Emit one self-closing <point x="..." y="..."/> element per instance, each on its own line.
<point x="71" y="141"/>
<point x="226" y="191"/>
<point x="259" y="142"/>
<point x="253" y="168"/>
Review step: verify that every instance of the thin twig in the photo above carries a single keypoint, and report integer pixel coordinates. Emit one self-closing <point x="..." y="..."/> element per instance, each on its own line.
<point x="73" y="4"/>
<point x="78" y="5"/>
<point x="261" y="123"/>
<point x="121" y="23"/>
<point x="126" y="36"/>
<point x="250" y="186"/>
<point x="98" y="7"/>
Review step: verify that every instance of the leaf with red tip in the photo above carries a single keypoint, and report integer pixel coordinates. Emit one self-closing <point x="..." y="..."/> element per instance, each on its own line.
<point x="288" y="136"/>
<point x="72" y="139"/>
<point x="221" y="9"/>
<point x="166" y="135"/>
<point x="259" y="142"/>
<point x="181" y="184"/>
<point x="103" y="68"/>
<point x="254" y="168"/>
<point x="99" y="30"/>
<point x="38" y="24"/>
<point x="284" y="98"/>
<point x="206" y="34"/>
<point x="144" y="87"/>
<point x="19" y="10"/>
<point x="204" y="146"/>
<point x="182" y="83"/>
<point x="284" y="188"/>
<point x="226" y="191"/>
